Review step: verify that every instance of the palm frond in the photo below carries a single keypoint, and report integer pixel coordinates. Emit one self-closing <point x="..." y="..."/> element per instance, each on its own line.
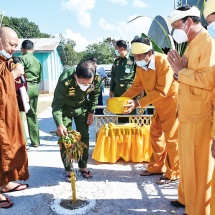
<point x="164" y="31"/>
<point x="155" y="46"/>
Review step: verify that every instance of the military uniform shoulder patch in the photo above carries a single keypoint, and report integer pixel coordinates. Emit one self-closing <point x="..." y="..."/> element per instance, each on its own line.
<point x="71" y="91"/>
<point x="129" y="62"/>
<point x="117" y="61"/>
<point x="91" y="88"/>
<point x="97" y="78"/>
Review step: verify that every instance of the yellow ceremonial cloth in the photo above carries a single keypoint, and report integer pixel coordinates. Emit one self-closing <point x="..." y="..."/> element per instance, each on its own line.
<point x="128" y="141"/>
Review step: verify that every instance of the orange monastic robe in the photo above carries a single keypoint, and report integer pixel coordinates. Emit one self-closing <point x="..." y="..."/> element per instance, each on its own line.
<point x="197" y="82"/>
<point x="213" y="177"/>
<point x="161" y="89"/>
<point x="13" y="156"/>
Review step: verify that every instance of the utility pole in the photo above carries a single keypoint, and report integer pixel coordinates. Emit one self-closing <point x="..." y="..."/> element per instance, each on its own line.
<point x="1" y="18"/>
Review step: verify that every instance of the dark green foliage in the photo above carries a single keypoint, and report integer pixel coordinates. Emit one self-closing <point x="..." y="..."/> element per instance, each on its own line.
<point x="103" y="51"/>
<point x="24" y="28"/>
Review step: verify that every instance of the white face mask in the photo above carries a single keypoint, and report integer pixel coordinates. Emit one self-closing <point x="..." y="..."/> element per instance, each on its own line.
<point x="211" y="29"/>
<point x="4" y="53"/>
<point x="82" y="86"/>
<point x="180" y="36"/>
<point x="141" y="63"/>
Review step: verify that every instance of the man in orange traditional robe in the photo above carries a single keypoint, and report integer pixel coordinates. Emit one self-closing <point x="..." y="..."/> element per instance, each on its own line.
<point x="155" y="76"/>
<point x="195" y="71"/>
<point x="13" y="156"/>
<point x="209" y="14"/>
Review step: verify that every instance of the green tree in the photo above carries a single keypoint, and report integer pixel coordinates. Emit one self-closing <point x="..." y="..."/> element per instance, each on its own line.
<point x="73" y="57"/>
<point x="24" y="28"/>
<point x="103" y="51"/>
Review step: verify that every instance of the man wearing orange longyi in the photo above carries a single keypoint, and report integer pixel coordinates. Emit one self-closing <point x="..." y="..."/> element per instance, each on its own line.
<point x="195" y="71"/>
<point x="155" y="76"/>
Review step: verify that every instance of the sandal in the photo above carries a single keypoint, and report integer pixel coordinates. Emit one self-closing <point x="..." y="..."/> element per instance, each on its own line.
<point x="17" y="188"/>
<point x="6" y="203"/>
<point x="146" y="173"/>
<point x="164" y="180"/>
<point x="85" y="174"/>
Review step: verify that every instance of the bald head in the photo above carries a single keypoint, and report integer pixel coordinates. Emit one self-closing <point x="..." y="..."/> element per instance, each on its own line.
<point x="9" y="40"/>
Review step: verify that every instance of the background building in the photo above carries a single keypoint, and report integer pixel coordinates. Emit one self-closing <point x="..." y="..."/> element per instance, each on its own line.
<point x="50" y="53"/>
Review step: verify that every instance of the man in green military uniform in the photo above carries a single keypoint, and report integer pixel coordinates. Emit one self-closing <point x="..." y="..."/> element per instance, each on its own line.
<point x="76" y="96"/>
<point x="33" y="73"/>
<point x="122" y="74"/>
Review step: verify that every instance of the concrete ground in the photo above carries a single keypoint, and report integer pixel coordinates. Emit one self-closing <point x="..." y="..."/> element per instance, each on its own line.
<point x="117" y="188"/>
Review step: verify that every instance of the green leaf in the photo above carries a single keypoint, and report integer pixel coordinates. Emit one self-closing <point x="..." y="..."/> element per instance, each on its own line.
<point x="155" y="46"/>
<point x="164" y="31"/>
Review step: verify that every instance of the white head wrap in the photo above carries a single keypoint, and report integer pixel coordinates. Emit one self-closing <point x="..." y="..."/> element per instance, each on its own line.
<point x="178" y="14"/>
<point x="209" y="8"/>
<point x="140" y="48"/>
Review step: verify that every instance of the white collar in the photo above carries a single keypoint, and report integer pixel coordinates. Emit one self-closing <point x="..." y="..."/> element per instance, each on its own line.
<point x="151" y="64"/>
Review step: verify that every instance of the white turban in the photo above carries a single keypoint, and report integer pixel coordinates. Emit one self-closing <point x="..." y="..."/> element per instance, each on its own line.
<point x="179" y="14"/>
<point x="140" y="48"/>
<point x="209" y="8"/>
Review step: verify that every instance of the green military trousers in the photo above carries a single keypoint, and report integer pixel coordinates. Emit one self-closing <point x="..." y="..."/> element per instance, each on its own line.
<point x="82" y="127"/>
<point x="31" y="116"/>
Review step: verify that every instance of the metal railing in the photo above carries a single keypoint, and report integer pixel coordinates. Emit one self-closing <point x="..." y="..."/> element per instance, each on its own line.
<point x="140" y="118"/>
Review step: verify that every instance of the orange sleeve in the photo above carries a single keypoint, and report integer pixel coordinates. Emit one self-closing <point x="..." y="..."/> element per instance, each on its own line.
<point x="203" y="74"/>
<point x="135" y="88"/>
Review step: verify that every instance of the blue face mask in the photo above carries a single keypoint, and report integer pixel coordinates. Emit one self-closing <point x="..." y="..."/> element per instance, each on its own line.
<point x="117" y="53"/>
<point x="5" y="54"/>
<point x="211" y="29"/>
<point x="141" y="63"/>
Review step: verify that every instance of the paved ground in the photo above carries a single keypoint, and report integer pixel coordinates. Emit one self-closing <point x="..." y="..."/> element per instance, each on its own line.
<point x="117" y="188"/>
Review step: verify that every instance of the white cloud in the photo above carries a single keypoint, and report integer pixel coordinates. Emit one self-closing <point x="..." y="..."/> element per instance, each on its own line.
<point x="136" y="27"/>
<point x="126" y="30"/>
<point x="122" y="30"/>
<point x="105" y="25"/>
<point x="139" y="3"/>
<point x="81" y="8"/>
<point x="81" y="42"/>
<point x="122" y="2"/>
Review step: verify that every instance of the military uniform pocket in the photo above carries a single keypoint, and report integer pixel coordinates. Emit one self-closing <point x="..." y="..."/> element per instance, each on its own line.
<point x="190" y="100"/>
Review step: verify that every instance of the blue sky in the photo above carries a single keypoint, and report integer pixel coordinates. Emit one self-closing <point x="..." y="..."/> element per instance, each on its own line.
<point x="89" y="21"/>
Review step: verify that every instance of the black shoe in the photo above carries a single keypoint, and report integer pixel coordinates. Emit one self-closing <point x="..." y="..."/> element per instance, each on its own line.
<point x="177" y="204"/>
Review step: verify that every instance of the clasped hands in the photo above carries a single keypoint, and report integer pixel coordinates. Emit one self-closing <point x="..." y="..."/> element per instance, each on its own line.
<point x="176" y="61"/>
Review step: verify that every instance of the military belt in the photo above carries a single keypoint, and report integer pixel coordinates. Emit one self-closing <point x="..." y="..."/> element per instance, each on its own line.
<point x="32" y="82"/>
<point x="124" y="84"/>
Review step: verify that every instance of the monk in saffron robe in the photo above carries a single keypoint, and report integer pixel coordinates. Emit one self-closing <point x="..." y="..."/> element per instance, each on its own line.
<point x="155" y="76"/>
<point x="195" y="72"/>
<point x="13" y="156"/>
